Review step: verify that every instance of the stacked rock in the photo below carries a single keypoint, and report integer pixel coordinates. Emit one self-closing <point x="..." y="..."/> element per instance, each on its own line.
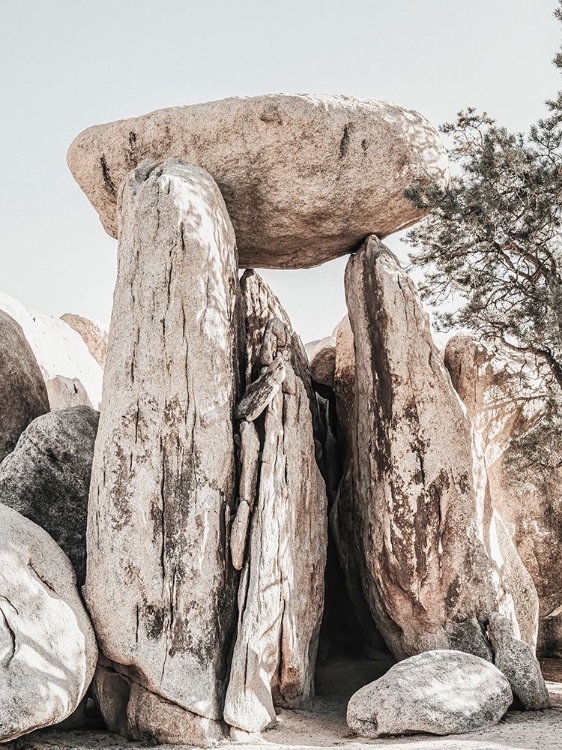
<point x="218" y="458"/>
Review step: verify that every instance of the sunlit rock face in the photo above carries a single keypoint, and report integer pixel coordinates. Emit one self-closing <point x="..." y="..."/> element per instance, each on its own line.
<point x="48" y="650"/>
<point x="159" y="585"/>
<point x="47" y="477"/>
<point x="505" y="397"/>
<point x="433" y="558"/>
<point x="23" y="395"/>
<point x="72" y="375"/>
<point x="305" y="178"/>
<point x="437" y="692"/>
<point x="281" y="525"/>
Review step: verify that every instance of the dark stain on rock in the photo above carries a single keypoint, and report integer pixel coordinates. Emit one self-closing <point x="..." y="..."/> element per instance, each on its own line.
<point x="107" y="181"/>
<point x="344" y="142"/>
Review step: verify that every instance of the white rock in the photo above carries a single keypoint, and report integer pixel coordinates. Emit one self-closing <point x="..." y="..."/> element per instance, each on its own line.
<point x="48" y="650"/>
<point x="72" y="375"/>
<point x="305" y="178"/>
<point x="437" y="692"/>
<point x="163" y="474"/>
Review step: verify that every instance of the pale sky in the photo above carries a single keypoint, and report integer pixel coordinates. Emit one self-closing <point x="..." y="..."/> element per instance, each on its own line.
<point x="68" y="64"/>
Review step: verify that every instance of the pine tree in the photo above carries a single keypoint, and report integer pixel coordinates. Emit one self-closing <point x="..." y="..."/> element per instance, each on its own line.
<point x="494" y="240"/>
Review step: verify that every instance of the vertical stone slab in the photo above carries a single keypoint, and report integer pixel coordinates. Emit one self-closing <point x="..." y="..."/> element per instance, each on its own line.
<point x="435" y="561"/>
<point x="160" y="585"/>
<point x="281" y="593"/>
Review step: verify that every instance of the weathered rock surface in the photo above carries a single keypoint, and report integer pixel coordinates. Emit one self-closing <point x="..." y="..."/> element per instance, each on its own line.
<point x="95" y="335"/>
<point x="349" y="164"/>
<point x="437" y="692"/>
<point x="47" y="478"/>
<point x="163" y="474"/>
<point x="505" y="396"/>
<point x="322" y="361"/>
<point x="72" y="375"/>
<point x="434" y="559"/>
<point x="518" y="663"/>
<point x="281" y="592"/>
<point x="23" y="395"/>
<point x="48" y="650"/>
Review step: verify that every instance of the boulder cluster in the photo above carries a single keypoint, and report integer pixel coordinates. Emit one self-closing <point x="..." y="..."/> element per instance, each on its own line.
<point x="186" y="555"/>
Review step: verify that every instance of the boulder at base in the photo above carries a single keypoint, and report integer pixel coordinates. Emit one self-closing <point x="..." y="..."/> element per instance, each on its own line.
<point x="23" y="395"/>
<point x="305" y="178"/>
<point x="47" y="477"/>
<point x="48" y="650"/>
<point x="437" y="692"/>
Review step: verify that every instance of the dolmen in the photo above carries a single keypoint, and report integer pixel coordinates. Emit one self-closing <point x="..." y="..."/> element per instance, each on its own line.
<point x="221" y="468"/>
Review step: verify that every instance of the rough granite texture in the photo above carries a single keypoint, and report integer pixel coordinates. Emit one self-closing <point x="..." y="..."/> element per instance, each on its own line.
<point x="163" y="478"/>
<point x="305" y="178"/>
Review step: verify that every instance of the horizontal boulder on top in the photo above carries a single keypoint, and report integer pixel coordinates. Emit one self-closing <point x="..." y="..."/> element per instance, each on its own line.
<point x="305" y="178"/>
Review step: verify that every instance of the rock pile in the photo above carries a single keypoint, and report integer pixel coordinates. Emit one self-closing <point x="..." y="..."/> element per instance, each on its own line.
<point x="234" y="489"/>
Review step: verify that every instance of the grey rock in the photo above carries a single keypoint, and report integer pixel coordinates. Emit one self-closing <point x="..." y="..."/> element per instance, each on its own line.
<point x="431" y="553"/>
<point x="281" y="593"/>
<point x="47" y="478"/>
<point x="163" y="478"/>
<point x="437" y="692"/>
<point x="305" y="178"/>
<point x="23" y="394"/>
<point x="48" y="650"/>
<point x="516" y="660"/>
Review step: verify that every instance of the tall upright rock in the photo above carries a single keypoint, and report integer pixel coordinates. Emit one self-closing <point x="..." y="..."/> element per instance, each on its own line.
<point x="23" y="394"/>
<point x="505" y="397"/>
<point x="160" y="585"/>
<point x="283" y="510"/>
<point x="434" y="559"/>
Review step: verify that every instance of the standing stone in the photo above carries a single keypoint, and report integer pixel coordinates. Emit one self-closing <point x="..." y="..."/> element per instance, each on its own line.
<point x="517" y="661"/>
<point x="281" y="593"/>
<point x="48" y="649"/>
<point x="163" y="474"/>
<point x="437" y="692"/>
<point x="23" y="395"/>
<point x="505" y="397"/>
<point x="47" y="478"/>
<point x="432" y="556"/>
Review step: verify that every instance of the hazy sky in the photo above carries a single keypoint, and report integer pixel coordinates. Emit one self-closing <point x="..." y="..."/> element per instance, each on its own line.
<point x="68" y="64"/>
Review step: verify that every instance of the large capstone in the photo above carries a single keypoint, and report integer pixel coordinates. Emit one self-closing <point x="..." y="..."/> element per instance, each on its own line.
<point x="160" y="585"/>
<point x="305" y="178"/>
